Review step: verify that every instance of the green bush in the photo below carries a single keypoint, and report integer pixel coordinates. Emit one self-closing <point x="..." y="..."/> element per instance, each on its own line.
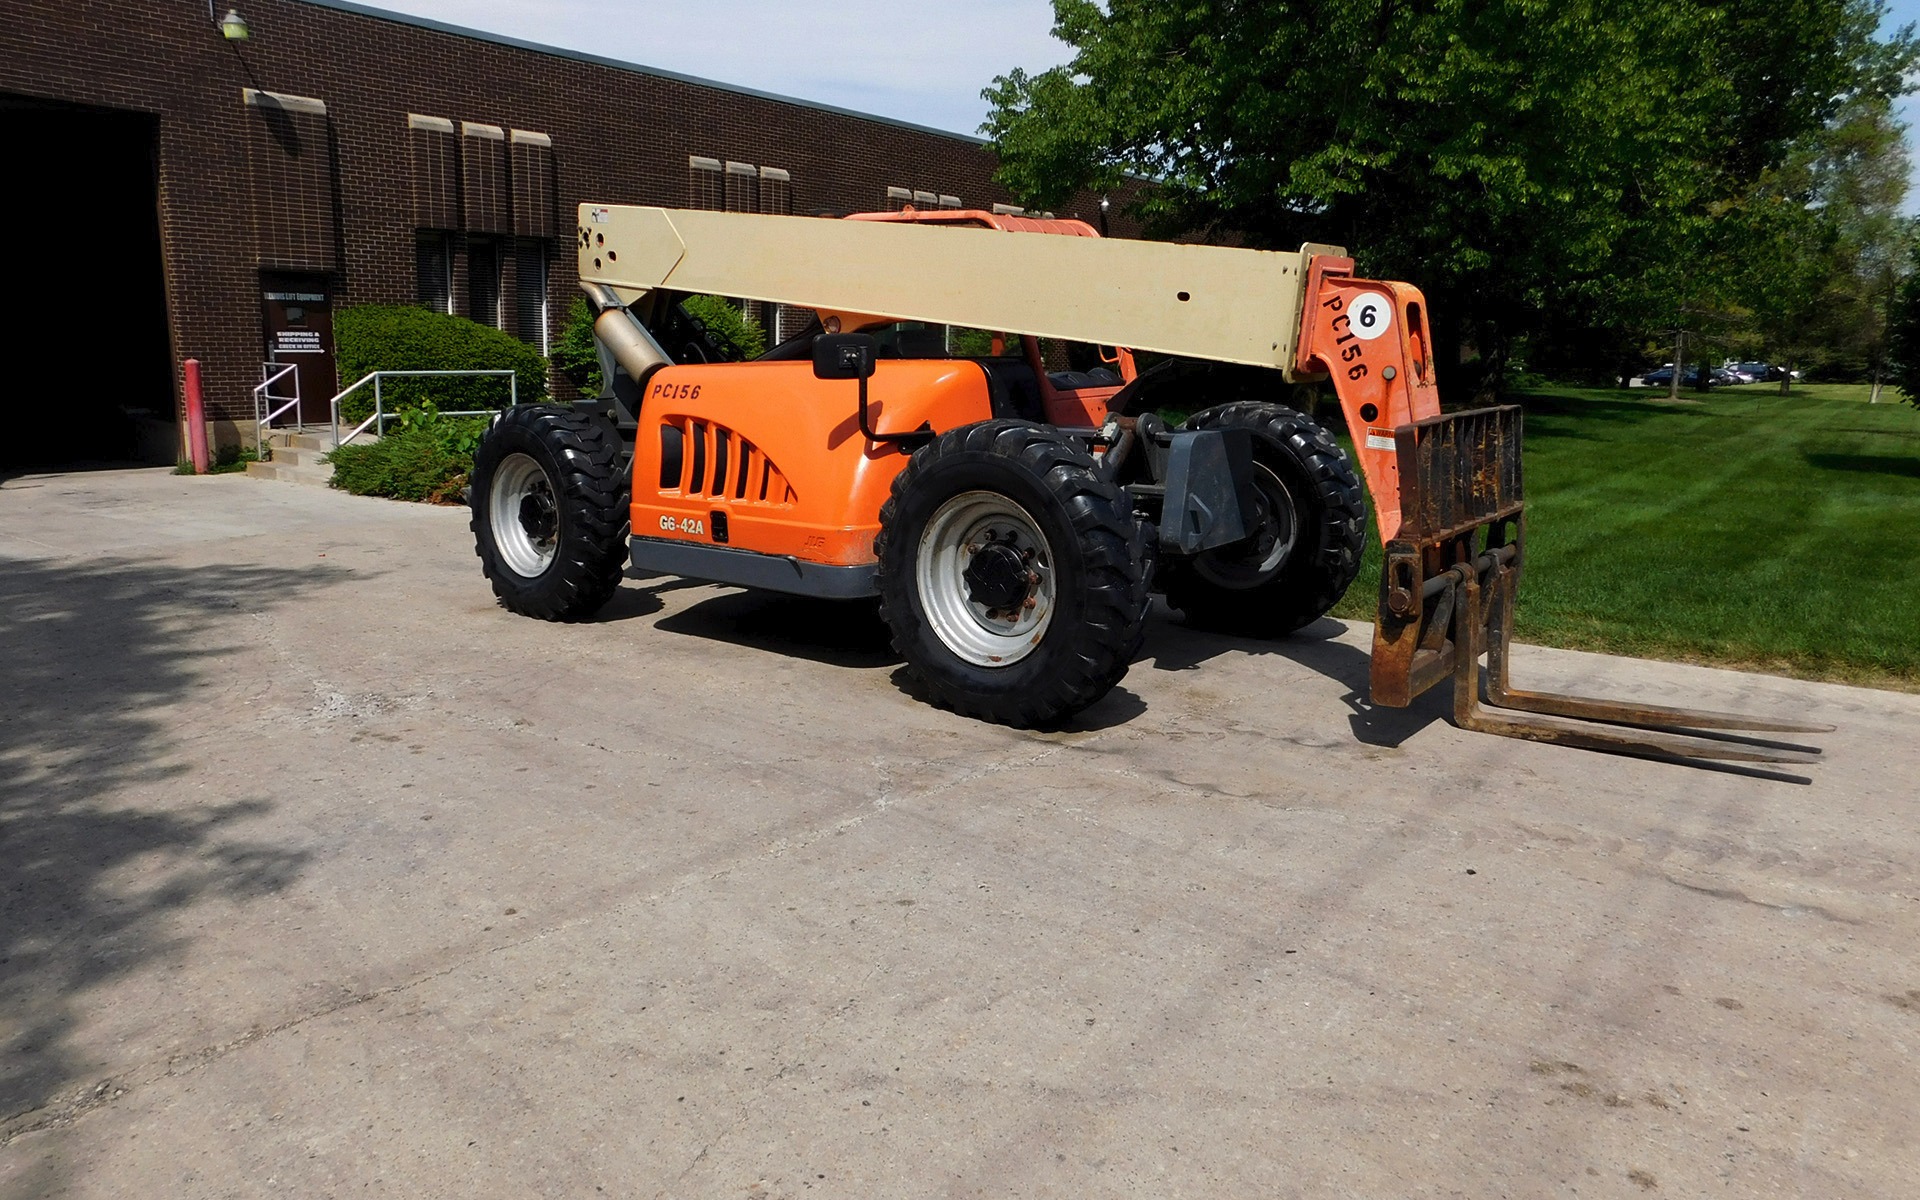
<point x="424" y="456"/>
<point x="574" y="355"/>
<point x="381" y="337"/>
<point x="728" y="323"/>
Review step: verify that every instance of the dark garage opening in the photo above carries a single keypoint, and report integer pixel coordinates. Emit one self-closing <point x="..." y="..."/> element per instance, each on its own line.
<point x="88" y="376"/>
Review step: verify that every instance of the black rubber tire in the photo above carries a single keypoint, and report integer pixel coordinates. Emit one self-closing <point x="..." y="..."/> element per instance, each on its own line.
<point x="583" y="464"/>
<point x="1102" y="563"/>
<point x="1330" y="530"/>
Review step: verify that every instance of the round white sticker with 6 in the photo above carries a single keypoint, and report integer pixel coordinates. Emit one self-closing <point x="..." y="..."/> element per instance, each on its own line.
<point x="1370" y="316"/>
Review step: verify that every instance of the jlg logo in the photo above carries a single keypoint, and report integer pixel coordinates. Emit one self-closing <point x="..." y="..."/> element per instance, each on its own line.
<point x="675" y="391"/>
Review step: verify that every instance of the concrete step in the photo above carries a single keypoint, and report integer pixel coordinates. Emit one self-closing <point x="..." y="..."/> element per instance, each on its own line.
<point x="312" y="475"/>
<point x="299" y="456"/>
<point x="318" y="442"/>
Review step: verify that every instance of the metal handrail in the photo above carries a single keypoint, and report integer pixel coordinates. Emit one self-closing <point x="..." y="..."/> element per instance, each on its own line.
<point x="380" y="414"/>
<point x="263" y="394"/>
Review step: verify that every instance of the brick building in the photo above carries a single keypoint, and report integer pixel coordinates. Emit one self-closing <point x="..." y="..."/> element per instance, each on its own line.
<point x="179" y="194"/>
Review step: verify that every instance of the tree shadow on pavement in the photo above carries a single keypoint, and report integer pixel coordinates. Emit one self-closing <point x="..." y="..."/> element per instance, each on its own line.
<point x="101" y="842"/>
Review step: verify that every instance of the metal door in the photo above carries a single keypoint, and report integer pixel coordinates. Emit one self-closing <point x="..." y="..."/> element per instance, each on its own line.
<point x="299" y="328"/>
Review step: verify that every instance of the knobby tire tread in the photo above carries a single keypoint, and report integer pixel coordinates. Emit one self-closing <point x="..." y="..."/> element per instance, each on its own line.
<point x="1113" y="554"/>
<point x="584" y="460"/>
<point x="1308" y="585"/>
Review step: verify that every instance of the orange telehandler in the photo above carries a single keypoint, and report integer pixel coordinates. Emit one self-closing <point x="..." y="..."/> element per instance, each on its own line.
<point x="966" y="430"/>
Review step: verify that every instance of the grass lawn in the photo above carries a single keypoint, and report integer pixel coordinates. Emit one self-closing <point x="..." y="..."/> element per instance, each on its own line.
<point x="1746" y="529"/>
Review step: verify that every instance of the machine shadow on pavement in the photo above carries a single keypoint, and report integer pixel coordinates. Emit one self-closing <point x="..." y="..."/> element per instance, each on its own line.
<point x="101" y="842"/>
<point x="840" y="633"/>
<point x="639" y="596"/>
<point x="1175" y="646"/>
<point x="849" y="633"/>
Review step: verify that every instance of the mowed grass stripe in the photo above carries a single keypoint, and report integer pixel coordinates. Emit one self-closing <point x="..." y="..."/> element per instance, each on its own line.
<point x="1746" y="529"/>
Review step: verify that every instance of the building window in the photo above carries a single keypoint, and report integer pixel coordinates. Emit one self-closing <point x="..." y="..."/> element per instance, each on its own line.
<point x="925" y="200"/>
<point x="776" y="192"/>
<point x="898" y="198"/>
<point x="483" y="281"/>
<point x="743" y="190"/>
<point x="949" y="201"/>
<point x="705" y="188"/>
<point x="434" y="144"/>
<point x="530" y="293"/>
<point x="535" y="196"/>
<point x="484" y="197"/>
<point x="433" y="270"/>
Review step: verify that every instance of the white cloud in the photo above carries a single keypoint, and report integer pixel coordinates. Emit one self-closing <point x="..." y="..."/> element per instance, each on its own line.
<point x="924" y="64"/>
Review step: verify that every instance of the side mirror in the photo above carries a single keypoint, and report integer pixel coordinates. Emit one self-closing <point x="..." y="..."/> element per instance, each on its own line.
<point x="843" y="356"/>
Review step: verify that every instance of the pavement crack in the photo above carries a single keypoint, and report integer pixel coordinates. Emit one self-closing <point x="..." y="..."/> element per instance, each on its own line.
<point x="1785" y="909"/>
<point x="70" y="1106"/>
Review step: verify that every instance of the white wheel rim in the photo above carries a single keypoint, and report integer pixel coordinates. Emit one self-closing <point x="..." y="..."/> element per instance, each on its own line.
<point x="524" y="516"/>
<point x="1274" y="546"/>
<point x="980" y="633"/>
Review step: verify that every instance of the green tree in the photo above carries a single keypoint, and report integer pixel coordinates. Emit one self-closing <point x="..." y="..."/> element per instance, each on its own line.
<point x="1828" y="244"/>
<point x="1903" y="332"/>
<point x="1517" y="158"/>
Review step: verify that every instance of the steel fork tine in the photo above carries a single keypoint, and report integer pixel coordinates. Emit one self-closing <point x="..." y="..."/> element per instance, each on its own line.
<point x="1501" y="694"/>
<point x="1647" y="743"/>
<point x="1475" y="635"/>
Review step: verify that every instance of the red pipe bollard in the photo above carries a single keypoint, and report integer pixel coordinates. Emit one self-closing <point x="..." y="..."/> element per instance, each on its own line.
<point x="196" y="418"/>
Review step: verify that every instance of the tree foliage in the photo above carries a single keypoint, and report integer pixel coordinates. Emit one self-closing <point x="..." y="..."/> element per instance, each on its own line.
<point x="1520" y="159"/>
<point x="1903" y="333"/>
<point x="1826" y="244"/>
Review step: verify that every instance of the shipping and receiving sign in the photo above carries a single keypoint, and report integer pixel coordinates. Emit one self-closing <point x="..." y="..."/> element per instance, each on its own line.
<point x="297" y="341"/>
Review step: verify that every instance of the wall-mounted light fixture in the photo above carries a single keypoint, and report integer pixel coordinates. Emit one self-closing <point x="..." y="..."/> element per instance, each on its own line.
<point x="233" y="26"/>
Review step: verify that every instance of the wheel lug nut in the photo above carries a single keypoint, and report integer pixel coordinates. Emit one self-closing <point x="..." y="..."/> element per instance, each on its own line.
<point x="1031" y="602"/>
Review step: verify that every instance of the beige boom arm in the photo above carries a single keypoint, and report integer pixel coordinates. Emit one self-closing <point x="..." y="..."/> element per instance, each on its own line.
<point x="1209" y="302"/>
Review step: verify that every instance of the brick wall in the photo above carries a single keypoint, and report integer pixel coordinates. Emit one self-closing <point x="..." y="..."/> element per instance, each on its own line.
<point x="420" y="124"/>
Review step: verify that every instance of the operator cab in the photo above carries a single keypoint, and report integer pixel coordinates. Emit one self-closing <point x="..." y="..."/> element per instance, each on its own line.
<point x="1048" y="380"/>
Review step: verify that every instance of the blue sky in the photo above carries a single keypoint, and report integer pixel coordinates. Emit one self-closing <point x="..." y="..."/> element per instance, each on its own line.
<point x="919" y="63"/>
<point x="924" y="63"/>
<point x="1907" y="12"/>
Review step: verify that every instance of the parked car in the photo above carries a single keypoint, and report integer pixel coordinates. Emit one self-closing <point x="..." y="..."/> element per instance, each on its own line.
<point x="1755" y="372"/>
<point x="1663" y="376"/>
<point x="1763" y="372"/>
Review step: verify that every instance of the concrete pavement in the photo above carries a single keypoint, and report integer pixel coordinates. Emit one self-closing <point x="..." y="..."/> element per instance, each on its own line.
<point x="320" y="875"/>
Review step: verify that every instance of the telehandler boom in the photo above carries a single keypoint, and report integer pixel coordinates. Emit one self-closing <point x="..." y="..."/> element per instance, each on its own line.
<point x="965" y="431"/>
